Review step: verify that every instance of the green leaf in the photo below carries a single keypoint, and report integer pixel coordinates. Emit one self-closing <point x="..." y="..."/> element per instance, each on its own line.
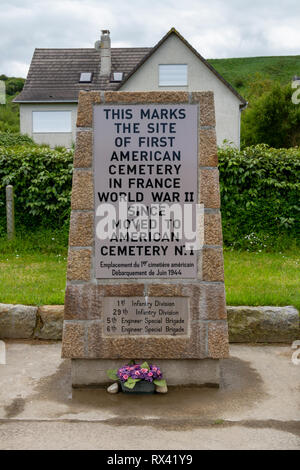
<point x="131" y="380"/>
<point x="112" y="374"/>
<point x="145" y="365"/>
<point x="160" y="382"/>
<point x="130" y="383"/>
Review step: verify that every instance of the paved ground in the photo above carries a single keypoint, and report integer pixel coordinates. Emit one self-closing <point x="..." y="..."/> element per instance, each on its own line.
<point x="257" y="406"/>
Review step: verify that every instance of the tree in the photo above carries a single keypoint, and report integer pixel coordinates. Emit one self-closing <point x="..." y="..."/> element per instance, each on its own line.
<point x="14" y="85"/>
<point x="272" y="119"/>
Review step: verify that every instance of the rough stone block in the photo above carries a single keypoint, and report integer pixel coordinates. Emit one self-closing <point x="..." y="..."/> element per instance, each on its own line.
<point x="82" y="190"/>
<point x="208" y="151"/>
<point x="207" y="107"/>
<point x="212" y="229"/>
<point x="79" y="265"/>
<point x="83" y="155"/>
<point x="207" y="301"/>
<point x="146" y="97"/>
<point x="73" y="339"/>
<point x="17" y="321"/>
<point x="263" y="324"/>
<point x="81" y="229"/>
<point x="123" y="290"/>
<point x="164" y="290"/>
<point x="50" y="322"/>
<point x="209" y="188"/>
<point x="85" y="107"/>
<point x="217" y="340"/>
<point x="194" y="293"/>
<point x="212" y="302"/>
<point x="212" y="264"/>
<point x="83" y="302"/>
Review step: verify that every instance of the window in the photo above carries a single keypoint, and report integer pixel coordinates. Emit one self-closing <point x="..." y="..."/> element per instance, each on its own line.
<point x="51" y="121"/>
<point x="117" y="77"/>
<point x="85" y="77"/>
<point x="173" y="75"/>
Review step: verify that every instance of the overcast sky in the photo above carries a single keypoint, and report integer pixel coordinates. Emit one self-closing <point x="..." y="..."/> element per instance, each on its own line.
<point x="217" y="29"/>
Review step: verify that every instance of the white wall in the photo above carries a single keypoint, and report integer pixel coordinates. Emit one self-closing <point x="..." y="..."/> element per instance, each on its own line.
<point x="64" y="139"/>
<point x="200" y="78"/>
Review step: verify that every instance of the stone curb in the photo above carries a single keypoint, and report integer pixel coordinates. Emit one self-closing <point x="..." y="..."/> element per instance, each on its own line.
<point x="24" y="322"/>
<point x="263" y="324"/>
<point x="246" y="324"/>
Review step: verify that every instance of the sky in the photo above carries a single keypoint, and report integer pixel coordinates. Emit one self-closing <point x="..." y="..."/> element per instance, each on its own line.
<point x="217" y="29"/>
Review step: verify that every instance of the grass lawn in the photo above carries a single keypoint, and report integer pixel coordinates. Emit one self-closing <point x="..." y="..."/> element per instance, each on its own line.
<point x="32" y="279"/>
<point x="250" y="278"/>
<point x="33" y="268"/>
<point x="262" y="278"/>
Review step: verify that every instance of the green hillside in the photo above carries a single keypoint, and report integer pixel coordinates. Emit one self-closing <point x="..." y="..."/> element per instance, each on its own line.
<point x="240" y="72"/>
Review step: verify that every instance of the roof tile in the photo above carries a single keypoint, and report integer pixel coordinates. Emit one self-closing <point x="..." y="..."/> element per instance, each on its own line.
<point x="54" y="73"/>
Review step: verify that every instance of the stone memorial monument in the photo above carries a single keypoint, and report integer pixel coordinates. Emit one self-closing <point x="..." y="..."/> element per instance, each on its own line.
<point x="138" y="285"/>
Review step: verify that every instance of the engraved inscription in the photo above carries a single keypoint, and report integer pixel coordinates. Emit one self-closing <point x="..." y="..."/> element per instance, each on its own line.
<point x="146" y="316"/>
<point x="145" y="184"/>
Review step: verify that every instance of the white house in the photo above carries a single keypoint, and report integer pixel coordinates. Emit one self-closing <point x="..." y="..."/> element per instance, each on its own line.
<point x="48" y="102"/>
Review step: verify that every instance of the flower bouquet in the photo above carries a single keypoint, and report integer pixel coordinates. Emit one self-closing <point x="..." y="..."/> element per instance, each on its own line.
<point x="138" y="378"/>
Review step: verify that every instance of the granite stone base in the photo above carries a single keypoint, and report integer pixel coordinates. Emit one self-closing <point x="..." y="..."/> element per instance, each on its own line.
<point x="199" y="372"/>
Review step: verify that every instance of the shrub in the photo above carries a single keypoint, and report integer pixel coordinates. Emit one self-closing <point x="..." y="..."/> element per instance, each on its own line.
<point x="7" y="139"/>
<point x="14" y="85"/>
<point x="259" y="85"/>
<point x="260" y="192"/>
<point x="42" y="180"/>
<point x="9" y="116"/>
<point x="272" y="119"/>
<point x="239" y="83"/>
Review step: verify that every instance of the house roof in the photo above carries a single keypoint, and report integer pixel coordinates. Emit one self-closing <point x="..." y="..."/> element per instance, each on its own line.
<point x="54" y="73"/>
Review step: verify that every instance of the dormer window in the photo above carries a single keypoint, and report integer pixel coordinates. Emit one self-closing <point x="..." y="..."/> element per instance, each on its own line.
<point x="117" y="76"/>
<point x="85" y="77"/>
<point x="173" y="75"/>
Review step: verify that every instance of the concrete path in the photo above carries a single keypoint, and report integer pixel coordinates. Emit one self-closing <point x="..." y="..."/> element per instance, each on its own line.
<point x="257" y="406"/>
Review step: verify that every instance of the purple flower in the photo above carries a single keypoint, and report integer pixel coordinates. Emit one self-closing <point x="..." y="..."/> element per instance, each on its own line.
<point x="137" y="372"/>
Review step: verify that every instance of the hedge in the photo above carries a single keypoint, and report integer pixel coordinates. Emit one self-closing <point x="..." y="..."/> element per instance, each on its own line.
<point x="260" y="192"/>
<point x="42" y="180"/>
<point x="260" y="189"/>
<point x="8" y="139"/>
